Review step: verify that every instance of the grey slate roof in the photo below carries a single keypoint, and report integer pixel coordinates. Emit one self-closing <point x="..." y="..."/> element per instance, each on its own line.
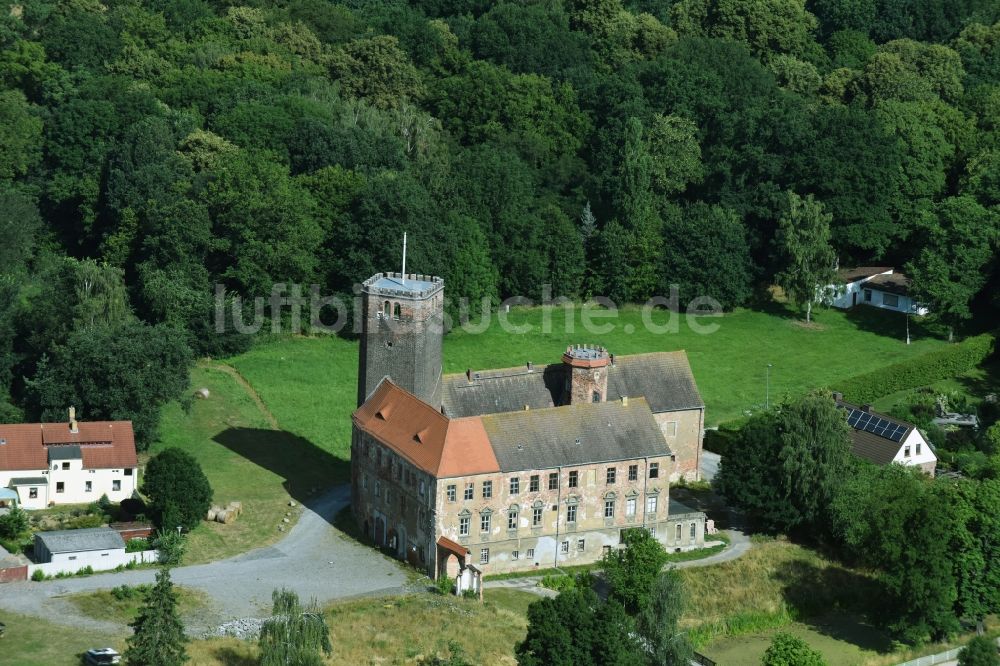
<point x="29" y="481"/>
<point x="70" y="452"/>
<point x="664" y="379"/>
<point x="73" y="541"/>
<point x="606" y="431"/>
<point x="678" y="509"/>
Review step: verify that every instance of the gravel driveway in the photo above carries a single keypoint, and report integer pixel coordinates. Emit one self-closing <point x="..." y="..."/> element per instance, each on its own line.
<point x="315" y="560"/>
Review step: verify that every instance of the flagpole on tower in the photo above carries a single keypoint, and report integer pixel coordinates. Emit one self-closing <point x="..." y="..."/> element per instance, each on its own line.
<point x="404" y="256"/>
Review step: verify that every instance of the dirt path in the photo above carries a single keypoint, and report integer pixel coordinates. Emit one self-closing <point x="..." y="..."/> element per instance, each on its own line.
<point x="247" y="386"/>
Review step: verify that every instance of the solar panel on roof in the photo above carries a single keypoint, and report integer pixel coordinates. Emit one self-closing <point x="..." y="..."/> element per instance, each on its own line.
<point x="876" y="425"/>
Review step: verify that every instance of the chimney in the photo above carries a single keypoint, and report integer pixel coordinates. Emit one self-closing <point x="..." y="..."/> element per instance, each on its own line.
<point x="866" y="407"/>
<point x="72" y="420"/>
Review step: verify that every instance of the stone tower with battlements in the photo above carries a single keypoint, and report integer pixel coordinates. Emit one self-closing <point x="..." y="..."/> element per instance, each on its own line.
<point x="587" y="379"/>
<point x="401" y="334"/>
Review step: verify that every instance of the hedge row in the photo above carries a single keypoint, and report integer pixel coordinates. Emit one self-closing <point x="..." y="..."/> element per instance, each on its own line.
<point x="919" y="371"/>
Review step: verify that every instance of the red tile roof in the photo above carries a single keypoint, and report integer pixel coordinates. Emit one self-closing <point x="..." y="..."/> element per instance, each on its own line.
<point x="103" y="444"/>
<point x="422" y="435"/>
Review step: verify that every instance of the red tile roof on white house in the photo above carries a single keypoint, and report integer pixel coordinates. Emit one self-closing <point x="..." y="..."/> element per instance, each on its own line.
<point x="103" y="444"/>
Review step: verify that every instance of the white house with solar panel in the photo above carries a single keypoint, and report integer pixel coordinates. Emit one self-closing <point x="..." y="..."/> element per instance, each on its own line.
<point x="885" y="440"/>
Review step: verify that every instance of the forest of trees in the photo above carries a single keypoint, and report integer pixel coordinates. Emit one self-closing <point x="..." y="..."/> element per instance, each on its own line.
<point x="150" y="150"/>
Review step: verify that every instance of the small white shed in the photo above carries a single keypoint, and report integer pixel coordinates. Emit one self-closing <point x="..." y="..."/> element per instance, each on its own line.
<point x="98" y="547"/>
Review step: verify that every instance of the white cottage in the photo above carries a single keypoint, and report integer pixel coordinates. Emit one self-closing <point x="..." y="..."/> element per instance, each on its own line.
<point x="885" y="440"/>
<point x="68" y="463"/>
<point x="875" y="286"/>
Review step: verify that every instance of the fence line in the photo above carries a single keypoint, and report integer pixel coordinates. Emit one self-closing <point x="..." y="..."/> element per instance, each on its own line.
<point x="939" y="658"/>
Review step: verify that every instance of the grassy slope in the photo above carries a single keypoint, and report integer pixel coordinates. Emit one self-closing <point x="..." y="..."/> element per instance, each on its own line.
<point x="395" y="630"/>
<point x="244" y="460"/>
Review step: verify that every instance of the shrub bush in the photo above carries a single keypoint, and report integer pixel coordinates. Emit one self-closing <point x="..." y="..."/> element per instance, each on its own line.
<point x="13" y="524"/>
<point x="443" y="585"/>
<point x="559" y="582"/>
<point x="136" y="545"/>
<point x="38" y="575"/>
<point x="919" y="371"/>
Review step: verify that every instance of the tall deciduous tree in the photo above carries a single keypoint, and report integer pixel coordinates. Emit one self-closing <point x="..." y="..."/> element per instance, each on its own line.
<point x="177" y="488"/>
<point x="158" y="638"/>
<point x="632" y="570"/>
<point x="126" y="372"/>
<point x="657" y="622"/>
<point x="577" y="629"/>
<point x="294" y="634"/>
<point x="961" y="239"/>
<point x="808" y="259"/>
<point x="791" y="463"/>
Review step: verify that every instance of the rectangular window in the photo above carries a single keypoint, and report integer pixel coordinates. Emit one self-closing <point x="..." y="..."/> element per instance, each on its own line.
<point x="533" y="483"/>
<point x="116" y="485"/>
<point x="564" y="547"/>
<point x="484" y="556"/>
<point x="463" y="526"/>
<point x="633" y="472"/>
<point x="65" y="465"/>
<point x="654" y="470"/>
<point x="694" y="530"/>
<point x="678" y="532"/>
<point x="421" y="490"/>
<point x="484" y="522"/>
<point x="630" y="507"/>
<point x="515" y="485"/>
<point x="88" y="486"/>
<point x="650" y="505"/>
<point x="33" y="493"/>
<point x="906" y="450"/>
<point x="378" y="488"/>
<point x="452" y="492"/>
<point x="60" y="486"/>
<point x="670" y="428"/>
<point x="512" y="520"/>
<point x="609" y="508"/>
<point x="530" y="553"/>
<point x="487" y="489"/>
<point x="571" y="513"/>
<point x="129" y="471"/>
<point x="72" y="557"/>
<point x="515" y="555"/>
<point x="918" y="448"/>
<point x="612" y="473"/>
<point x="890" y="300"/>
<point x="536" y="516"/>
<point x="554" y="481"/>
<point x="574" y="479"/>
<point x="580" y="544"/>
<point x="470" y="491"/>
<point x="868" y="295"/>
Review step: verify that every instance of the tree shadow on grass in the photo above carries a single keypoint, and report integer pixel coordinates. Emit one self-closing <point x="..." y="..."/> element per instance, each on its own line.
<point x="834" y="601"/>
<point x="308" y="471"/>
<point x="888" y="323"/>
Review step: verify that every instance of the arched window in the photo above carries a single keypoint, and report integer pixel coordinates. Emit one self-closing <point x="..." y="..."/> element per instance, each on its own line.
<point x="395" y="311"/>
<point x="385" y="309"/>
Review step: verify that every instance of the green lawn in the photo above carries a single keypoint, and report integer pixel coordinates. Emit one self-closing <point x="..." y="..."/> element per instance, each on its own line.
<point x="105" y="606"/>
<point x="30" y="641"/>
<point x="245" y="460"/>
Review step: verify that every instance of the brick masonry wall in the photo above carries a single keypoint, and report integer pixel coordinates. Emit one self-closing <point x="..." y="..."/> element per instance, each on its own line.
<point x="14" y="574"/>
<point x="682" y="431"/>
<point x="555" y="540"/>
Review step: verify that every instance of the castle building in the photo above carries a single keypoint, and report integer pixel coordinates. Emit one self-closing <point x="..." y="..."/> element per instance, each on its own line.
<point x="534" y="466"/>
